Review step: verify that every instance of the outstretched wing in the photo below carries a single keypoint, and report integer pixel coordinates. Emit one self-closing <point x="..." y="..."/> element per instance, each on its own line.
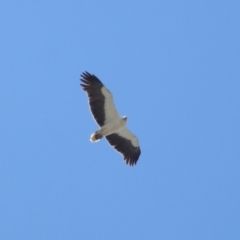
<point x="127" y="144"/>
<point x="100" y="99"/>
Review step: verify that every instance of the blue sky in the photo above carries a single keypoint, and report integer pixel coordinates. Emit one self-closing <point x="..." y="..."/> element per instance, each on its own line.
<point x="173" y="67"/>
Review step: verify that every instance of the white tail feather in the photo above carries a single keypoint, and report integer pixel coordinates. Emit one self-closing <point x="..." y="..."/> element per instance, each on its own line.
<point x="93" y="138"/>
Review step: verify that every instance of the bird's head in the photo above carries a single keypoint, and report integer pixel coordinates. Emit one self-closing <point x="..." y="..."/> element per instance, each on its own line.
<point x="124" y="118"/>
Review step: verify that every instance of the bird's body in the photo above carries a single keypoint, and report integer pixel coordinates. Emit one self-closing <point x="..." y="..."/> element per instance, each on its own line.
<point x="108" y="128"/>
<point x="112" y="125"/>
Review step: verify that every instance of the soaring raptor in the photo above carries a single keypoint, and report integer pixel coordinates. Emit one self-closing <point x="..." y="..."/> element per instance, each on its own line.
<point x="112" y="125"/>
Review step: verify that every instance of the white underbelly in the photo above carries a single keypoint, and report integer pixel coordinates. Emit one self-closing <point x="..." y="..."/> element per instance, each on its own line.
<point x="112" y="127"/>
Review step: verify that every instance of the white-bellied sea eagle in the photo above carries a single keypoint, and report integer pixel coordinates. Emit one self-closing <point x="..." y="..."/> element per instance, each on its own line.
<point x="112" y="125"/>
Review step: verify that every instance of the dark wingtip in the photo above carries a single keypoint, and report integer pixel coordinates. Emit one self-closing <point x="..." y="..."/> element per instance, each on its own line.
<point x="86" y="74"/>
<point x="132" y="160"/>
<point x="90" y="79"/>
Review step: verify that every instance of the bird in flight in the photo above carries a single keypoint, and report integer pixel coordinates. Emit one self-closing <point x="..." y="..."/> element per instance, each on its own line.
<point x="112" y="125"/>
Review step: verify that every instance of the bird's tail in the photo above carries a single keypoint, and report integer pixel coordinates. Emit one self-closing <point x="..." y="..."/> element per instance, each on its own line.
<point x="95" y="137"/>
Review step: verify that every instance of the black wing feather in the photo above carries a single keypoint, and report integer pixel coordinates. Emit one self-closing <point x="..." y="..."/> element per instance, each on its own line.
<point x="92" y="85"/>
<point x="125" y="147"/>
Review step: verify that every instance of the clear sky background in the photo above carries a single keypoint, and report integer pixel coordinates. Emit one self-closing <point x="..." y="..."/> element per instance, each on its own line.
<point x="174" y="70"/>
